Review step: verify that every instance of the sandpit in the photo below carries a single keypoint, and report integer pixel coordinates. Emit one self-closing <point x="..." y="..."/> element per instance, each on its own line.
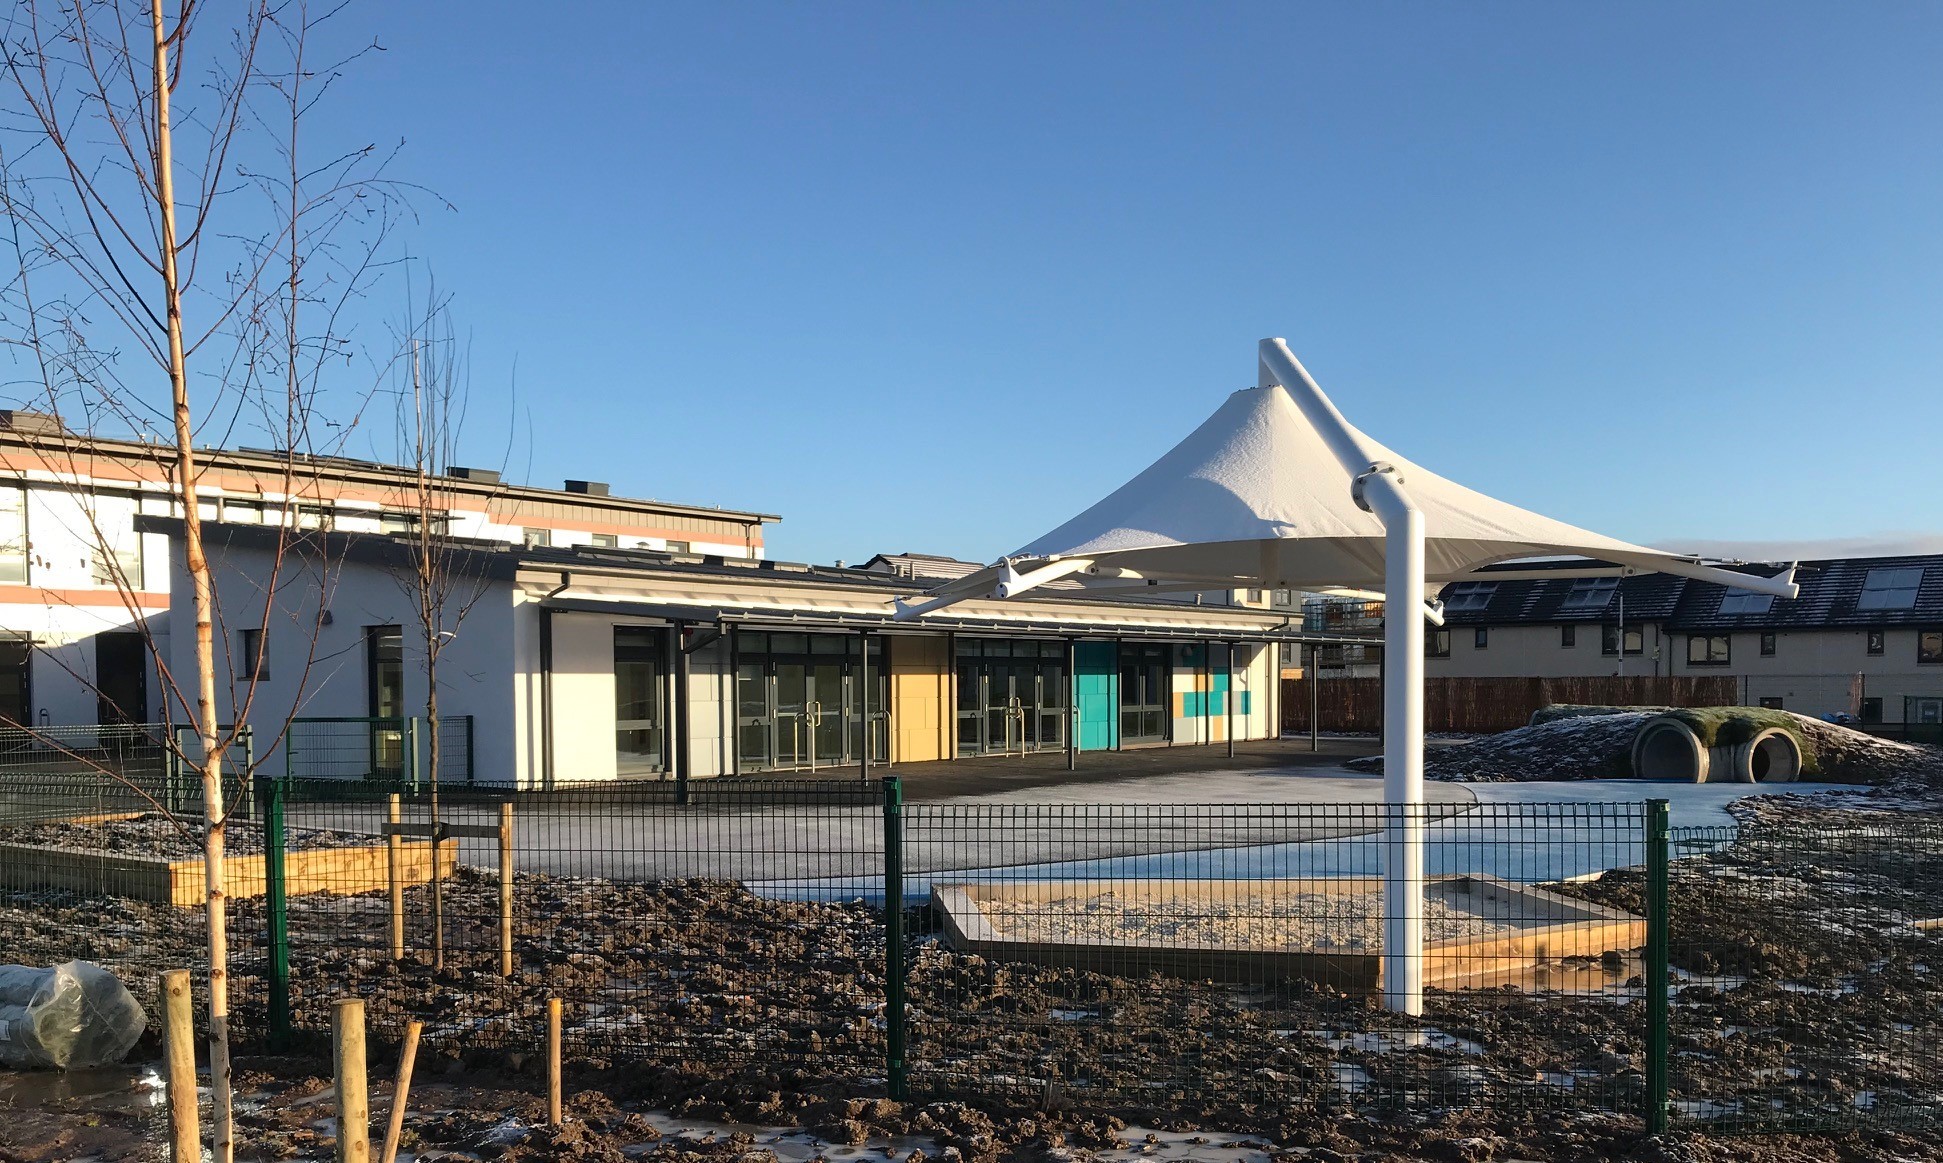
<point x="1479" y="930"/>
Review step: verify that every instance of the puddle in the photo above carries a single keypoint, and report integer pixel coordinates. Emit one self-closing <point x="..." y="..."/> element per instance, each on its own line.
<point x="107" y="1090"/>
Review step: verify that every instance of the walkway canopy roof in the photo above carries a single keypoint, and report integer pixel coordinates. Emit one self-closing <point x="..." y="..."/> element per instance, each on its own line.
<point x="1266" y="493"/>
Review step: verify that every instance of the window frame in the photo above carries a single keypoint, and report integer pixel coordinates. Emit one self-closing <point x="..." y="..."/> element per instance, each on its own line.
<point x="1568" y="637"/>
<point x="1481" y="638"/>
<point x="1875" y="641"/>
<point x="1745" y="602"/>
<point x="1862" y="601"/>
<point x="1579" y="596"/>
<point x="1769" y="642"/>
<point x="1726" y="654"/>
<point x="1612" y="636"/>
<point x="1929" y="646"/>
<point x="1437" y="642"/>
<point x="256" y="664"/>
<point x="1470" y="596"/>
<point x="26" y="535"/>
<point x="535" y="537"/>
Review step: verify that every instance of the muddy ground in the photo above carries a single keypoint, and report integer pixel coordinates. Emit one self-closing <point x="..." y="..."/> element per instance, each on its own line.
<point x="1806" y="991"/>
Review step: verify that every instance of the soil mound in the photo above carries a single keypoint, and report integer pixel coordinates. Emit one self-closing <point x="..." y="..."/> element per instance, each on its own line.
<point x="1598" y="746"/>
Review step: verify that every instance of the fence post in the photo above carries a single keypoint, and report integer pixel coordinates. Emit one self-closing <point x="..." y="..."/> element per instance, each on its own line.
<point x="894" y="937"/>
<point x="395" y="872"/>
<point x="411" y="752"/>
<point x="276" y="897"/>
<point x="506" y="962"/>
<point x="1654" y="975"/>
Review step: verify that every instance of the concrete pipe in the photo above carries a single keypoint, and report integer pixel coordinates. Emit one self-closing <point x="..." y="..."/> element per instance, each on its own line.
<point x="1668" y="749"/>
<point x="1772" y="756"/>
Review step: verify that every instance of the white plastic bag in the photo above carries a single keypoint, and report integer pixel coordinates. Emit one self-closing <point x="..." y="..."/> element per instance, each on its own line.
<point x="73" y="1016"/>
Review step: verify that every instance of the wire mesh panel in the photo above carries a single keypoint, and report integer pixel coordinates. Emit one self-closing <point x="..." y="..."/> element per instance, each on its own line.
<point x="131" y="759"/>
<point x="1195" y="959"/>
<point x="1807" y="962"/>
<point x="713" y="931"/>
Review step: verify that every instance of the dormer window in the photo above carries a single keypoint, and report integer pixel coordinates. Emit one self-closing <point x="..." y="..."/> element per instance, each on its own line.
<point x="1890" y="588"/>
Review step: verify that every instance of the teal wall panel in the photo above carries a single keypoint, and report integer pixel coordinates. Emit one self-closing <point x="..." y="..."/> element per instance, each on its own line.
<point x="1096" y="674"/>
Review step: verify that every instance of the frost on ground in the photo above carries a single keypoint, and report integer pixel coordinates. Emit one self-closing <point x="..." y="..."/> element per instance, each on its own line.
<point x="1600" y="747"/>
<point x="1308" y="920"/>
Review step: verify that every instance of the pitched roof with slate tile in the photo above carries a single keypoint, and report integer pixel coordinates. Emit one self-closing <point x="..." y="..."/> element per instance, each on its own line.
<point x="1831" y="596"/>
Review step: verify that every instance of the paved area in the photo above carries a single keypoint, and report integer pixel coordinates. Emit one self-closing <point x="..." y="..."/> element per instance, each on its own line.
<point x="999" y="774"/>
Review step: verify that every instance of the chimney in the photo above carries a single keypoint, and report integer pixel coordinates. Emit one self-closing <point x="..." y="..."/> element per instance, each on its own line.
<point x="589" y="488"/>
<point x="31" y="423"/>
<point x="484" y="476"/>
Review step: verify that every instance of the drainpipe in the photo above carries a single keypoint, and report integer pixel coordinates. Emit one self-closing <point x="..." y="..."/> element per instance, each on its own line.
<point x="1378" y="489"/>
<point x="546" y="680"/>
<point x="681" y="713"/>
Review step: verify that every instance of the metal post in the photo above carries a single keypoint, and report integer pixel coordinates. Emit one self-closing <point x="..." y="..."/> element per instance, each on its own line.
<point x="681" y="714"/>
<point x="277" y="906"/>
<point x="1315" y="697"/>
<point x="1403" y="744"/>
<point x="1072" y="704"/>
<point x="1231" y="700"/>
<point x="412" y="765"/>
<point x="1655" y="974"/>
<point x="863" y="705"/>
<point x="895" y="1072"/>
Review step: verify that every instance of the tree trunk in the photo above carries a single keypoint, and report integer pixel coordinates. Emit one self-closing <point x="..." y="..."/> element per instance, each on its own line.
<point x="211" y="761"/>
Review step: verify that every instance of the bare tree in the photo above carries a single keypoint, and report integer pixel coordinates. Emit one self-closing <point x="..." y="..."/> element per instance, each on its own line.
<point x="181" y="232"/>
<point x="445" y="576"/>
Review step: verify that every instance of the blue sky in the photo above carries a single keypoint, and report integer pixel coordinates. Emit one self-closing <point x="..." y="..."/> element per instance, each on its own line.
<point x="930" y="277"/>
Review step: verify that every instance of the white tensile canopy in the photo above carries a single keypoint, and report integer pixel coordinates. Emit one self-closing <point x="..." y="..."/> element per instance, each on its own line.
<point x="1277" y="490"/>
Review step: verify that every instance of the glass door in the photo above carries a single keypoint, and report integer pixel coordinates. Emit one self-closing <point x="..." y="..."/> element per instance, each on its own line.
<point x="640" y="672"/>
<point x="791" y="681"/>
<point x="800" y="701"/>
<point x="971" y="706"/>
<point x="1054" y="693"/>
<point x="1144" y="680"/>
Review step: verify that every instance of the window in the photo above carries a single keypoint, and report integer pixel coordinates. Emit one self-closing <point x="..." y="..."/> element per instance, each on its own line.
<point x="1890" y="588"/>
<point x="1872" y="709"/>
<point x="1481" y="637"/>
<point x="1875" y="640"/>
<point x="16" y="685"/>
<point x="1709" y="649"/>
<point x="13" y="534"/>
<point x="1771" y="702"/>
<point x="536" y="538"/>
<point x="1590" y="593"/>
<point x="1744" y="602"/>
<point x="315" y="517"/>
<point x="1767" y="644"/>
<point x="1282" y="597"/>
<point x="115" y="555"/>
<point x="384" y="679"/>
<point x="677" y="547"/>
<point x="1469" y="596"/>
<point x="606" y="541"/>
<point x="1929" y="646"/>
<point x="1635" y="640"/>
<point x="1568" y="637"/>
<point x="1437" y="642"/>
<point x="242" y="512"/>
<point x="252" y="664"/>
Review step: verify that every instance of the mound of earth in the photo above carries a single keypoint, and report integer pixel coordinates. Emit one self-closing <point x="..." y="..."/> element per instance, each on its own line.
<point x="1599" y="746"/>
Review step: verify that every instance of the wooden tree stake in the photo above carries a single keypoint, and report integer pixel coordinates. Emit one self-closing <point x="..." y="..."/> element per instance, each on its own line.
<point x="553" y="1061"/>
<point x="395" y="874"/>
<point x="506" y="889"/>
<point x="353" y="1099"/>
<point x="401" y="1092"/>
<point x="179" y="1054"/>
